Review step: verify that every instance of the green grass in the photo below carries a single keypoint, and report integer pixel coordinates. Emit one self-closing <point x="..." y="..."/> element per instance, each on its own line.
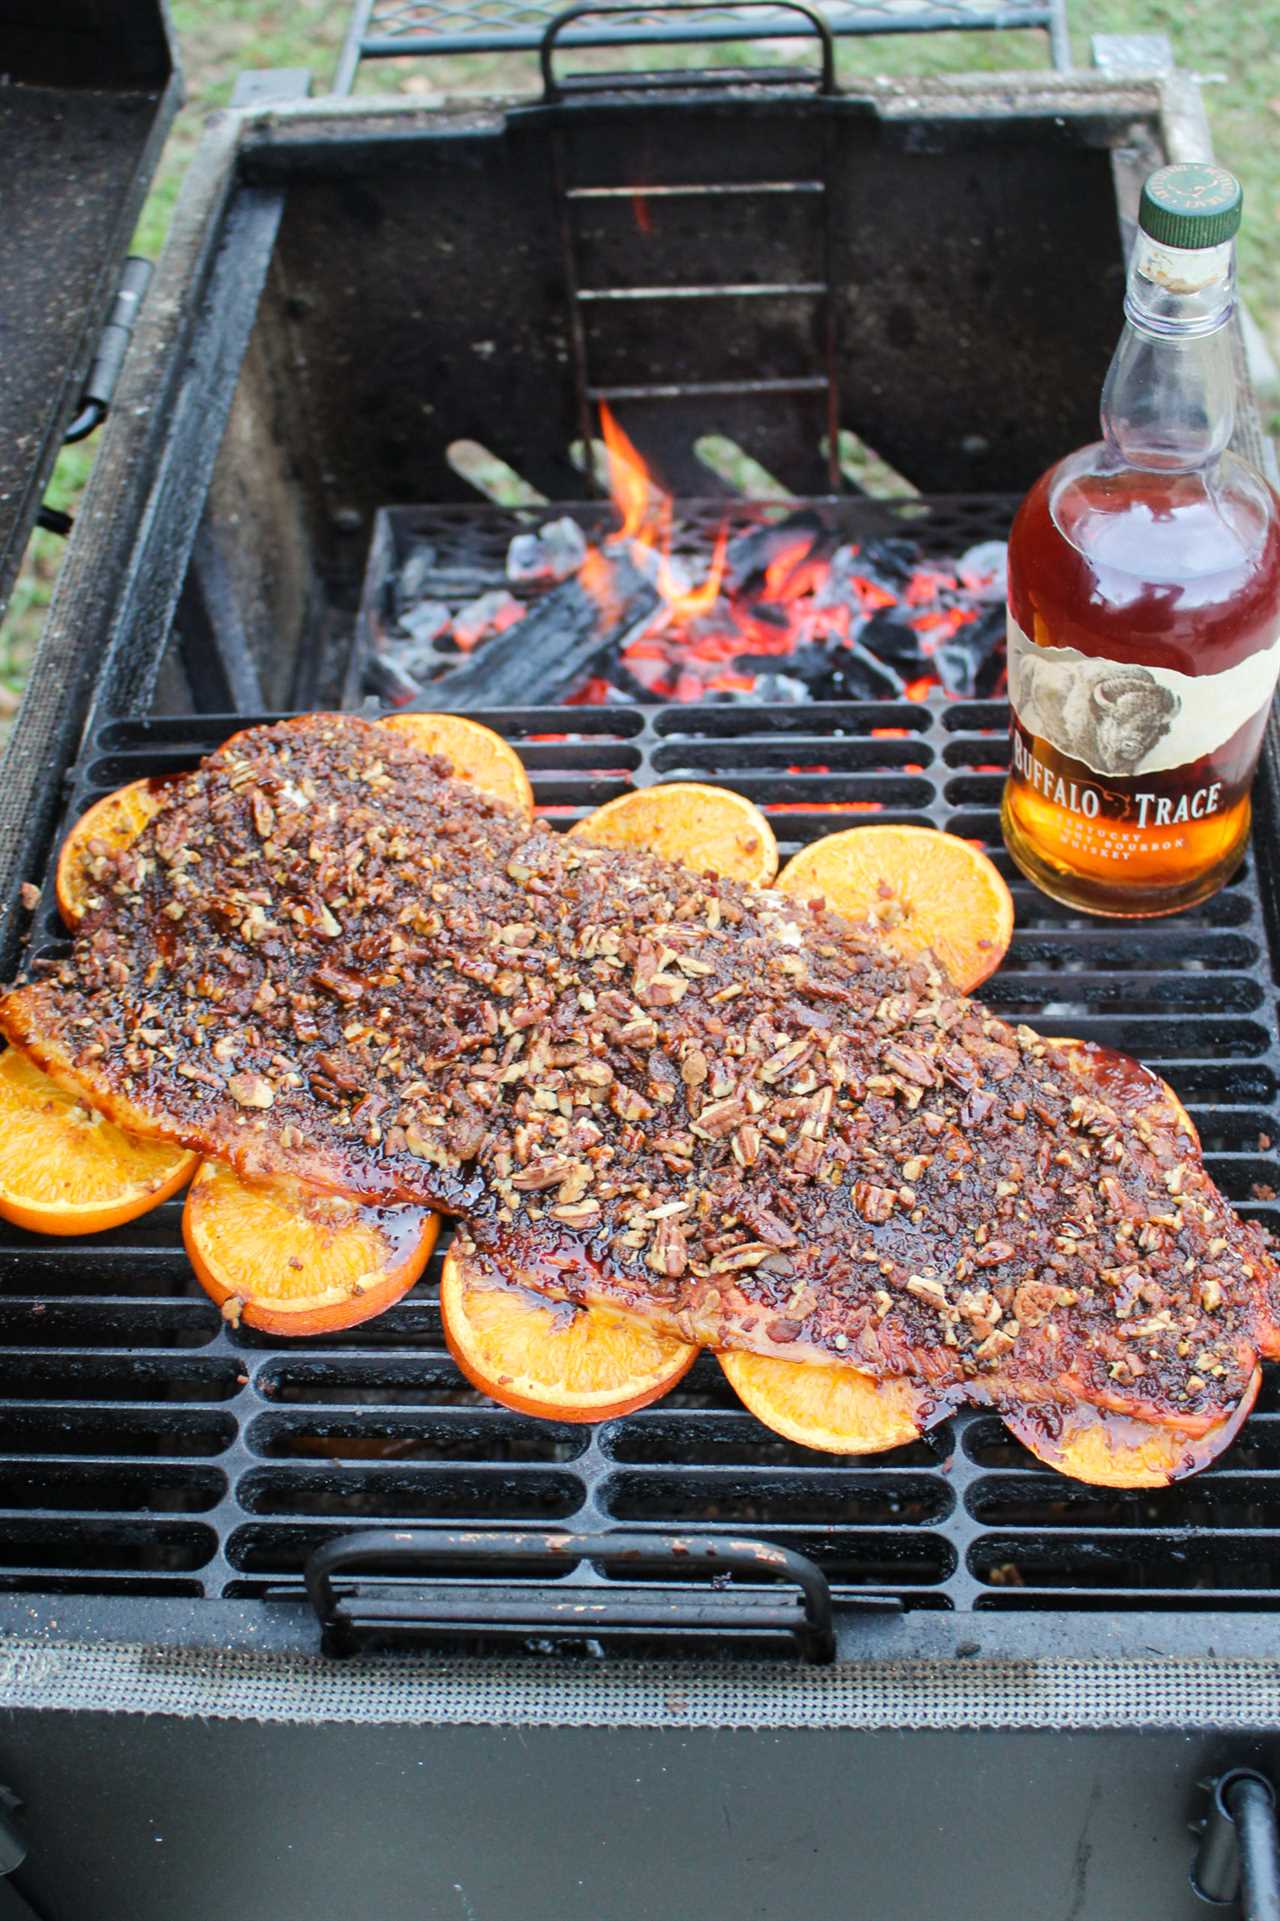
<point x="1230" y="44"/>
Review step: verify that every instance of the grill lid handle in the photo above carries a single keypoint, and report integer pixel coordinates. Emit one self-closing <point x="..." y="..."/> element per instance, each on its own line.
<point x="386" y="1603"/>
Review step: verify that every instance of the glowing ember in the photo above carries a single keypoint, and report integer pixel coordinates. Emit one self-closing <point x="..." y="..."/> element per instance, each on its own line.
<point x="784" y="612"/>
<point x="781" y="611"/>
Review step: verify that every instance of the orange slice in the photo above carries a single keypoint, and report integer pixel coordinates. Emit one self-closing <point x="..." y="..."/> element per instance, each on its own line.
<point x="551" y="1358"/>
<point x="292" y="1262"/>
<point x="836" y="1410"/>
<point x="110" y="825"/>
<point x="1114" y="1450"/>
<point x="916" y="887"/>
<point x="477" y="754"/>
<point x="65" y="1170"/>
<point x="706" y="828"/>
<point x="1125" y="1083"/>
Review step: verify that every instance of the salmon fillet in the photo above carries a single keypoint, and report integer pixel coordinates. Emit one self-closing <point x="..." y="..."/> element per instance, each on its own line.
<point x="748" y="1121"/>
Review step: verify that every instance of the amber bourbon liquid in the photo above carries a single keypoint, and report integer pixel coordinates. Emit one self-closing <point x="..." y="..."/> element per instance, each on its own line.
<point x="1144" y="645"/>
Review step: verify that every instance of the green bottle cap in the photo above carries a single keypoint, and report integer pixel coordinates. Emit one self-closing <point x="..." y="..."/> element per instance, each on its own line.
<point x="1191" y="205"/>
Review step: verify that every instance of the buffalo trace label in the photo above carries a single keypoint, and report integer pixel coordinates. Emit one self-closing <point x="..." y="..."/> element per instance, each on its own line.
<point x="1123" y="721"/>
<point x="1079" y="797"/>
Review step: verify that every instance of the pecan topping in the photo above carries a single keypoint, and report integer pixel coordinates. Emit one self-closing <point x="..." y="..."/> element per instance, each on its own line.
<point x="251" y="1090"/>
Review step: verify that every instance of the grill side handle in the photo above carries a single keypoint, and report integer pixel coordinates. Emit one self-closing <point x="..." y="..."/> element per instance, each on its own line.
<point x="708" y="30"/>
<point x="376" y="1598"/>
<point x="1239" y="1852"/>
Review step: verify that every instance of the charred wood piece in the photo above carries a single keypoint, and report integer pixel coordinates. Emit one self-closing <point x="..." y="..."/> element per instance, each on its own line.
<point x="557" y="643"/>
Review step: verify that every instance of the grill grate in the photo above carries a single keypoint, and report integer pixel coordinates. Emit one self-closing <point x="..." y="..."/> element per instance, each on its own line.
<point x="393" y="29"/>
<point x="150" y="1449"/>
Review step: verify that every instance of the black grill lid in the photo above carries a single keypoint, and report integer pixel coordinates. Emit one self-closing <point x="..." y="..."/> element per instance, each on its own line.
<point x="87" y="94"/>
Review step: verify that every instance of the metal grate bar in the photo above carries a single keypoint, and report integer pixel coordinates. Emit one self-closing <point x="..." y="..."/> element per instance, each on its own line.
<point x="696" y="190"/>
<point x="760" y="290"/>
<point x="710" y="389"/>
<point x="394" y="29"/>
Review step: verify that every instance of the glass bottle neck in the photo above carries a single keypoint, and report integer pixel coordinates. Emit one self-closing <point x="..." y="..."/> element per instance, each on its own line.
<point x="1169" y="400"/>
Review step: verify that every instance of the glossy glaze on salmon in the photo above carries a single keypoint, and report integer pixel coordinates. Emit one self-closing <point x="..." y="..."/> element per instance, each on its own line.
<point x="745" y="1119"/>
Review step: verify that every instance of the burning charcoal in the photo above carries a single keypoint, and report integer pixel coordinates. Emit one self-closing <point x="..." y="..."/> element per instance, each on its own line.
<point x="888" y="565"/>
<point x="837" y="590"/>
<point x="984" y="570"/>
<point x="665" y="571"/>
<point x="493" y="613"/>
<point x="411" y="585"/>
<point x="426" y="621"/>
<point x="779" y="689"/>
<point x="969" y="665"/>
<point x="842" y="672"/>
<point x="558" y="642"/>
<point x="412" y="661"/>
<point x="390" y="681"/>
<point x="750" y="556"/>
<point x="889" y="638"/>
<point x="555" y="552"/>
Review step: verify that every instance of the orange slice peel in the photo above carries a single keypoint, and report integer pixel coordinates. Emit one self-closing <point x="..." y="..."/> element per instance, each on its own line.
<point x="476" y="753"/>
<point x="914" y="888"/>
<point x="1089" y="1444"/>
<point x="548" y="1357"/>
<point x="108" y="827"/>
<point x="66" y="1170"/>
<point x="288" y="1261"/>
<point x="834" y="1410"/>
<point x="710" y="829"/>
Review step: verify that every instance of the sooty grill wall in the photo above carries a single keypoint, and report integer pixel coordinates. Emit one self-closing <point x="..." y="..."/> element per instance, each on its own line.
<point x="418" y="295"/>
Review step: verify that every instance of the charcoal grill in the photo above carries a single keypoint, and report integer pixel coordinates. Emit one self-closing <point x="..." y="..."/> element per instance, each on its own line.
<point x="538" y="1669"/>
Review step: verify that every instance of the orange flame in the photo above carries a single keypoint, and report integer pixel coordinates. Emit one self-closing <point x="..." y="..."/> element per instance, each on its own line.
<point x="787" y="577"/>
<point x="646" y="521"/>
<point x="694" y="601"/>
<point x="628" y="479"/>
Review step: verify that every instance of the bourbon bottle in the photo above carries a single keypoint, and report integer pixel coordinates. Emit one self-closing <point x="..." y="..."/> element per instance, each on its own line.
<point x="1144" y="597"/>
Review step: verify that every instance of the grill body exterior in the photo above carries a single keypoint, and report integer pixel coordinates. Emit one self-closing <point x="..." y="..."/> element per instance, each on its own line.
<point x="1030" y="1677"/>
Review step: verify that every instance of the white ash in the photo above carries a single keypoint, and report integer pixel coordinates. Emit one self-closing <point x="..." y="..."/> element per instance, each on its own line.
<point x="984" y="570"/>
<point x="837" y="589"/>
<point x="555" y="552"/>
<point x="426" y="621"/>
<point x="667" y="572"/>
<point x="492" y="613"/>
<point x="411" y="583"/>
<point x="783" y="688"/>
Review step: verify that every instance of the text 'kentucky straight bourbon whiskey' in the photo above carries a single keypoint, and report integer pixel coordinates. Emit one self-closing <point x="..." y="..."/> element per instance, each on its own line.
<point x="1144" y="597"/>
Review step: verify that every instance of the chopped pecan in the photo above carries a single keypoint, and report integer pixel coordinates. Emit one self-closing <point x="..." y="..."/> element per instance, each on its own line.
<point x="251" y="1090"/>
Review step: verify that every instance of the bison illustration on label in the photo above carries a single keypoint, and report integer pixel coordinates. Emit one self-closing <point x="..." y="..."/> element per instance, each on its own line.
<point x="1107" y="716"/>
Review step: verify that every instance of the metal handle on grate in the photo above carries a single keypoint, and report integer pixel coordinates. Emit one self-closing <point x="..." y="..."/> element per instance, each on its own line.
<point x="384" y="1604"/>
<point x="554" y="90"/>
